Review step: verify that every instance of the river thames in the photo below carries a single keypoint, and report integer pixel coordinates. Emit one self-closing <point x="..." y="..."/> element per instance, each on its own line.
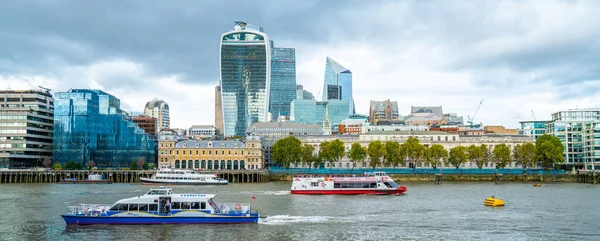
<point x="451" y="211"/>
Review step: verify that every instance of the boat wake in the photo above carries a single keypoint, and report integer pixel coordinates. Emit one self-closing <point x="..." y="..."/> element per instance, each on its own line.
<point x="285" y="219"/>
<point x="273" y="193"/>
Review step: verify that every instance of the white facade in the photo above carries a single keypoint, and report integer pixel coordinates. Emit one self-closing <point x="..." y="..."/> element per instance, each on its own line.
<point x="202" y="131"/>
<point x="158" y="109"/>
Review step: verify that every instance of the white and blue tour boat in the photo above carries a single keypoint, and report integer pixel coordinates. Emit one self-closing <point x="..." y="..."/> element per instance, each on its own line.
<point x="162" y="206"/>
<point x="183" y="177"/>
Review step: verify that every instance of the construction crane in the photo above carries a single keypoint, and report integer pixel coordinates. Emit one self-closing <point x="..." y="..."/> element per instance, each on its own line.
<point x="471" y="119"/>
<point x="533" y="115"/>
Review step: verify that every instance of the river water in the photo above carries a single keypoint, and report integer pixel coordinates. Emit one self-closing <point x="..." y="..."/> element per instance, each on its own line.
<point x="451" y="211"/>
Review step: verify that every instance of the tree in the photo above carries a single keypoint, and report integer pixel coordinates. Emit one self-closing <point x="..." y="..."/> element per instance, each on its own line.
<point x="357" y="153"/>
<point x="524" y="155"/>
<point x="287" y="151"/>
<point x="141" y="161"/>
<point x="47" y="162"/>
<point x="325" y="153"/>
<point x="308" y="155"/>
<point x="151" y="166"/>
<point x="457" y="156"/>
<point x="476" y="154"/>
<point x="414" y="150"/>
<point x="501" y="155"/>
<point x="392" y="155"/>
<point x="71" y="165"/>
<point x="56" y="166"/>
<point x="435" y="154"/>
<point x="317" y="161"/>
<point x="549" y="150"/>
<point x="486" y="156"/>
<point x="337" y="149"/>
<point x="375" y="151"/>
<point x="145" y="166"/>
<point x="133" y="166"/>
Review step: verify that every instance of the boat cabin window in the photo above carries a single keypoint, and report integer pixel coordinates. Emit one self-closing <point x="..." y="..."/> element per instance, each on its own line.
<point x="119" y="207"/>
<point x="153" y="207"/>
<point x="143" y="207"/>
<point x="176" y="205"/>
<point x="185" y="205"/>
<point x="133" y="207"/>
<point x="314" y="184"/>
<point x="387" y="184"/>
<point x="202" y="205"/>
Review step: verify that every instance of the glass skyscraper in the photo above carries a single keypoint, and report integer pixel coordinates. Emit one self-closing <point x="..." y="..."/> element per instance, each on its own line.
<point x="313" y="112"/>
<point x="338" y="83"/>
<point x="283" y="81"/>
<point x="245" y="60"/>
<point x="90" y="126"/>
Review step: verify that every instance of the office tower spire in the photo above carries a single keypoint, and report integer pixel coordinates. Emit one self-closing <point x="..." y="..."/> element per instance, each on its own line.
<point x="338" y="83"/>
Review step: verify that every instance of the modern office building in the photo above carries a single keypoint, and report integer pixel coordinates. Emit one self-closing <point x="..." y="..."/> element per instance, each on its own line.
<point x="203" y="132"/>
<point x="338" y="83"/>
<point x="313" y="112"/>
<point x="271" y="132"/>
<point x="91" y="129"/>
<point x="211" y="154"/>
<point x="158" y="109"/>
<point x="245" y="61"/>
<point x="283" y="81"/>
<point x="454" y="119"/>
<point x="26" y="126"/>
<point x="146" y="123"/>
<point x="534" y="129"/>
<point x="218" y="109"/>
<point x="579" y="131"/>
<point x="383" y="111"/>
<point x="302" y="94"/>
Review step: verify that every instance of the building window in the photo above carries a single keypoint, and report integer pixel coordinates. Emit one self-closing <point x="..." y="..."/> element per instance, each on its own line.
<point x="196" y="152"/>
<point x="223" y="153"/>
<point x="177" y="152"/>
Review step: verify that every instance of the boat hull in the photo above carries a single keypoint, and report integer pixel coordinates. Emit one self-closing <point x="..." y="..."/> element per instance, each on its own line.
<point x="89" y="220"/>
<point x="399" y="190"/>
<point x="150" y="181"/>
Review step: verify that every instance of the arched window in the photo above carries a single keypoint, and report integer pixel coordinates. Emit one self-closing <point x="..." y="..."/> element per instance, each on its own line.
<point x="222" y="165"/>
<point x="183" y="164"/>
<point x="190" y="164"/>
<point x="242" y="166"/>
<point x="176" y="163"/>
<point x="228" y="164"/>
<point x="203" y="164"/>
<point x="210" y="165"/>
<point x="235" y="165"/>
<point x="197" y="164"/>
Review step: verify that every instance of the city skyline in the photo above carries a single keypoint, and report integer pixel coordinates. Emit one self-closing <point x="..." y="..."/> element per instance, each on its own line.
<point x="541" y="57"/>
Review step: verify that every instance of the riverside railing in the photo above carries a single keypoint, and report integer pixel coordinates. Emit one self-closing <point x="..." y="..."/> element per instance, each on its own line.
<point x="449" y="171"/>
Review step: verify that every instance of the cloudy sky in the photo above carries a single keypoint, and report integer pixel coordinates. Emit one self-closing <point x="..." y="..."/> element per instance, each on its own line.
<point x="518" y="56"/>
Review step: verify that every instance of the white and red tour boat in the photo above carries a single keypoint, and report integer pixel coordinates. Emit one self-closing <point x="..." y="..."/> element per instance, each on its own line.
<point x="377" y="183"/>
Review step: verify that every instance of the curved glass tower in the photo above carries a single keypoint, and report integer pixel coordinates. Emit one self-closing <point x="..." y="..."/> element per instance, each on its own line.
<point x="338" y="83"/>
<point x="245" y="60"/>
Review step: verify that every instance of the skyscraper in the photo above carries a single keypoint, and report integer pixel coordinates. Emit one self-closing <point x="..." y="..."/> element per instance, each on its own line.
<point x="218" y="109"/>
<point x="91" y="129"/>
<point x="158" y="109"/>
<point x="283" y="81"/>
<point x="338" y="83"/>
<point x="245" y="61"/>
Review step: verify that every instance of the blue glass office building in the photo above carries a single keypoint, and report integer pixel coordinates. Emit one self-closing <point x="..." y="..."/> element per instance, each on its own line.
<point x="90" y="126"/>
<point x="313" y="112"/>
<point x="338" y="83"/>
<point x="283" y="81"/>
<point x="245" y="60"/>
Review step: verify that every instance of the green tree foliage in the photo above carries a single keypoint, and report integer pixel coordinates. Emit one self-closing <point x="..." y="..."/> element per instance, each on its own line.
<point x="457" y="156"/>
<point x="435" y="154"/>
<point x="325" y="152"/>
<point x="308" y="155"/>
<point x="392" y="154"/>
<point x="71" y="165"/>
<point x="357" y="154"/>
<point x="501" y="155"/>
<point x="526" y="155"/>
<point x="133" y="165"/>
<point x="56" y="166"/>
<point x="337" y="149"/>
<point x="317" y="161"/>
<point x="486" y="156"/>
<point x="375" y="151"/>
<point x="151" y="166"/>
<point x="549" y="150"/>
<point x="145" y="166"/>
<point x="414" y="150"/>
<point x="476" y="155"/>
<point x="287" y="151"/>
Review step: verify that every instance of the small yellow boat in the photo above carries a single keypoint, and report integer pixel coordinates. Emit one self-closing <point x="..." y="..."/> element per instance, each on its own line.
<point x="493" y="202"/>
<point x="537" y="185"/>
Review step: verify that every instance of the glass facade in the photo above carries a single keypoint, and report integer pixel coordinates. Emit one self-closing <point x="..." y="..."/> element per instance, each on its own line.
<point x="245" y="74"/>
<point x="283" y="81"/>
<point x="577" y="130"/>
<point x="313" y="112"/>
<point x="533" y="128"/>
<point x="90" y="126"/>
<point x="338" y="75"/>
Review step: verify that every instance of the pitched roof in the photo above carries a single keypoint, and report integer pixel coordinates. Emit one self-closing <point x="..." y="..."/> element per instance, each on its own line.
<point x="437" y="110"/>
<point x="204" y="144"/>
<point x="378" y="106"/>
